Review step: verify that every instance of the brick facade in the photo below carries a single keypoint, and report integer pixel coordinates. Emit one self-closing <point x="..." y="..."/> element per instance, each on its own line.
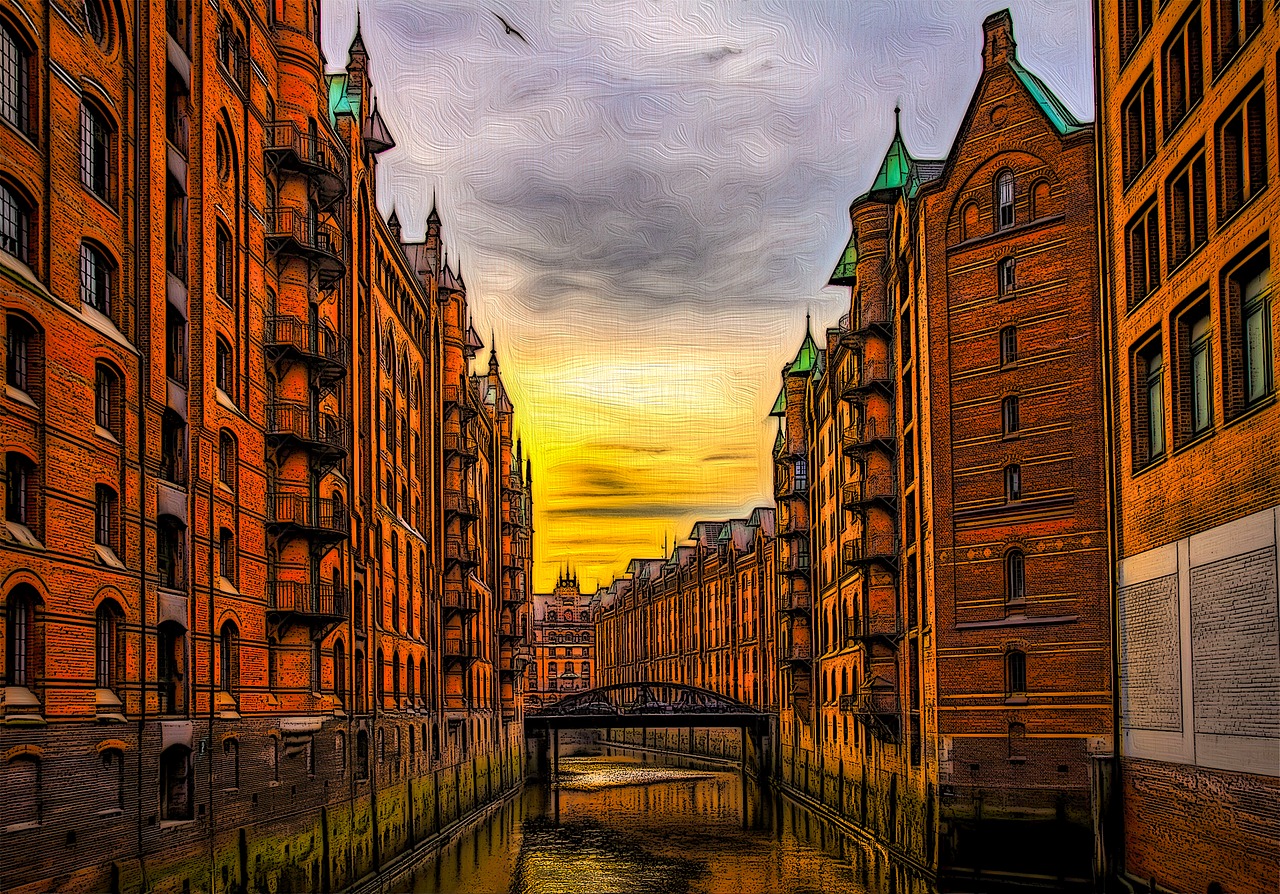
<point x="247" y="465"/>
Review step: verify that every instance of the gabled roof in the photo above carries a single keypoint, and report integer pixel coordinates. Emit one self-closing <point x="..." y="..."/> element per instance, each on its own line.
<point x="1059" y="115"/>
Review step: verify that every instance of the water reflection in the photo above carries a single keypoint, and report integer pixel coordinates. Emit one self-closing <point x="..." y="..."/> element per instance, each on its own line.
<point x="629" y="826"/>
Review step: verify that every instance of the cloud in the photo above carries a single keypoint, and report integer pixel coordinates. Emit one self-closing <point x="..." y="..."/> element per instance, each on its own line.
<point x="646" y="200"/>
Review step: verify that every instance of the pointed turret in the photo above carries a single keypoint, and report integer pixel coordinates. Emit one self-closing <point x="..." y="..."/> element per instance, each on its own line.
<point x="432" y="240"/>
<point x="895" y="171"/>
<point x="377" y="137"/>
<point x="393" y="224"/>
<point x="807" y="357"/>
<point x="357" y="62"/>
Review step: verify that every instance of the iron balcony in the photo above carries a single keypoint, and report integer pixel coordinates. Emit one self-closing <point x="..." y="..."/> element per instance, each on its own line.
<point x="292" y="148"/>
<point x="324" y="434"/>
<point x="289" y="338"/>
<point x="293" y="231"/>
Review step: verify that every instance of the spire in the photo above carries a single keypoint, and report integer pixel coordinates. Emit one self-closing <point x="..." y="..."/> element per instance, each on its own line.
<point x="393" y="223"/>
<point x="807" y="356"/>
<point x="356" y="51"/>
<point x="895" y="170"/>
<point x="433" y="216"/>
<point x="493" y="354"/>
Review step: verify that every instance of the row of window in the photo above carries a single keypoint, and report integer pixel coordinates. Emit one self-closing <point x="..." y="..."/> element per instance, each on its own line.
<point x="1231" y="22"/>
<point x="1192" y="386"/>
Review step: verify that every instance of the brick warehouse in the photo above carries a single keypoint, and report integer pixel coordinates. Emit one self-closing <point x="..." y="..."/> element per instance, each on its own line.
<point x="267" y="547"/>
<point x="563" y="642"/>
<point x="1187" y="155"/>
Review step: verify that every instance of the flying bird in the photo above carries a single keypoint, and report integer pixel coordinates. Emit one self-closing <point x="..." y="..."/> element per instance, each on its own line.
<point x="507" y="25"/>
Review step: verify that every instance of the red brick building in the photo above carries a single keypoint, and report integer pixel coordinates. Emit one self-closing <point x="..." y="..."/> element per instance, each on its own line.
<point x="1187" y="155"/>
<point x="264" y="568"/>
<point x="957" y="651"/>
<point x="563" y="643"/>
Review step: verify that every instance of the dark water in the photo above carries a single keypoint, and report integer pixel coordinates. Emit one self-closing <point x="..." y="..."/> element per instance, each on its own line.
<point x="617" y="824"/>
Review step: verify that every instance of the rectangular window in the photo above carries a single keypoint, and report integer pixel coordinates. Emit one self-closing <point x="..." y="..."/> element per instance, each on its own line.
<point x="1012" y="483"/>
<point x="1234" y="22"/>
<point x="1183" y="70"/>
<point x="1008" y="345"/>
<point x="1139" y="138"/>
<point x="14" y="74"/>
<point x="94" y="151"/>
<point x="105" y="515"/>
<point x="1142" y="253"/>
<point x="1257" y="337"/>
<point x="1186" y="212"/>
<point x="1246" y="292"/>
<point x="1195" y="398"/>
<point x="222" y="259"/>
<point x="1242" y="151"/>
<point x="1148" y="404"/>
<point x="95" y="279"/>
<point x="1135" y="22"/>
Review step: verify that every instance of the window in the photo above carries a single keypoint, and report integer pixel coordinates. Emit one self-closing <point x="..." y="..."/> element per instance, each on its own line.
<point x="1183" y="70"/>
<point x="95" y="21"/>
<point x="802" y="475"/>
<point x="1135" y="22"/>
<point x="15" y="224"/>
<point x="340" y="672"/>
<point x="95" y="279"/>
<point x="173" y="448"/>
<point x="1012" y="483"/>
<point x="169" y="664"/>
<point x="362" y="755"/>
<point x="175" y="784"/>
<point x="105" y="516"/>
<point x="1010" y="422"/>
<point x="230" y="763"/>
<point x="21" y="664"/>
<point x="22" y="784"/>
<point x="224" y="371"/>
<point x="21" y="349"/>
<point x="1008" y="345"/>
<point x="229" y="658"/>
<point x="15" y="79"/>
<point x="95" y="151"/>
<point x="1015" y="663"/>
<point x="107" y="413"/>
<point x="1242" y="152"/>
<point x="175" y="329"/>
<point x="1195" y="388"/>
<point x="1186" y="209"/>
<point x="969" y="221"/>
<point x="1007" y="278"/>
<point x="1004" y="200"/>
<point x="1015" y="587"/>
<point x="379" y="678"/>
<point x="1247" y="295"/>
<point x="113" y="772"/>
<point x="108" y="645"/>
<point x="171" y="552"/>
<point x="315" y="665"/>
<point x="21" y="491"/>
<point x="227" y="555"/>
<point x="227" y="459"/>
<point x="1139" y="136"/>
<point x="1148" y="403"/>
<point x="1234" y="22"/>
<point x="223" y="275"/>
<point x="1142" y="250"/>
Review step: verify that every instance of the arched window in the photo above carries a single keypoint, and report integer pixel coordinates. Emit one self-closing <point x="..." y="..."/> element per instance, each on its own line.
<point x="1017" y="740"/>
<point x="340" y="672"/>
<point x="108" y="639"/>
<point x="175" y="784"/>
<point x="22" y="646"/>
<point x="96" y="275"/>
<point x="224" y="369"/>
<point x="95" y="150"/>
<point x="22" y="784"/>
<point x="175" y="340"/>
<point x="1012" y="483"/>
<point x="229" y="658"/>
<point x="422" y="680"/>
<point x="395" y="677"/>
<point x="273" y="663"/>
<point x="96" y="21"/>
<point x="408" y="681"/>
<point x="171" y="541"/>
<point x="230" y="770"/>
<point x="22" y="492"/>
<point x="1015" y="575"/>
<point x="113" y="775"/>
<point x="105" y="517"/>
<point x="107" y="409"/>
<point x="222" y="256"/>
<point x="227" y="555"/>
<point x="1010" y="417"/>
<point x="23" y="356"/>
<point x="15" y="79"/>
<point x="379" y="681"/>
<point x="1039" y="200"/>
<point x="1015" y="663"/>
<point x="1008" y="345"/>
<point x="969" y="221"/>
<point x="362" y="755"/>
<point x="15" y="224"/>
<point x="1004" y="200"/>
<point x="228" y="462"/>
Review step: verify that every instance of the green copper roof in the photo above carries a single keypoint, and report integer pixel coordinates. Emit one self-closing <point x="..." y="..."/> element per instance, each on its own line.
<point x="780" y="405"/>
<point x="846" y="272"/>
<point x="895" y="170"/>
<point x="341" y="102"/>
<point x="807" y="356"/>
<point x="1059" y="115"/>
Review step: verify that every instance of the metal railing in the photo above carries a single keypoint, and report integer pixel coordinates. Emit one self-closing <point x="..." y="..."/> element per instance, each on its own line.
<point x="310" y="339"/>
<point x="863" y="433"/>
<point x="866" y="549"/>
<point x="320" y="513"/>
<point x="310" y="150"/>
<point x="865" y="490"/>
<point x="295" y="225"/>
<point x="312" y="599"/>
<point x="298" y="420"/>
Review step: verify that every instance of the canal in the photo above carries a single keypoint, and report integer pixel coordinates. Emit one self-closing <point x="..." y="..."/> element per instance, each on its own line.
<point x="623" y="822"/>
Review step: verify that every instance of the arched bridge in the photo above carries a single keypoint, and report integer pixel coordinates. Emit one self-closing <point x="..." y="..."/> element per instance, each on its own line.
<point x="650" y="704"/>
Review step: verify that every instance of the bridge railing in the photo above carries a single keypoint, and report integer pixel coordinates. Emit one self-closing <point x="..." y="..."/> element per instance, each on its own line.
<point x="623" y="699"/>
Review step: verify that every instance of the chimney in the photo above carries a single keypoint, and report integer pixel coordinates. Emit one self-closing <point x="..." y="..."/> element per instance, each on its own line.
<point x="998" y="45"/>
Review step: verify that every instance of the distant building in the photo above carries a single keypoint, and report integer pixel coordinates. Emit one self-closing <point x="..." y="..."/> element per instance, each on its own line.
<point x="564" y="643"/>
<point x="1188" y="140"/>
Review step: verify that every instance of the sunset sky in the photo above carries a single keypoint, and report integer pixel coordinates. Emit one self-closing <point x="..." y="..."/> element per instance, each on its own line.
<point x="646" y="199"/>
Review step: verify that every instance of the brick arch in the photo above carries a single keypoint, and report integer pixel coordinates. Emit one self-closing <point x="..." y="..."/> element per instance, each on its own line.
<point x="112" y="745"/>
<point x="981" y="180"/>
<point x="18" y="751"/>
<point x="108" y="592"/>
<point x="20" y="576"/>
<point x="229" y="614"/>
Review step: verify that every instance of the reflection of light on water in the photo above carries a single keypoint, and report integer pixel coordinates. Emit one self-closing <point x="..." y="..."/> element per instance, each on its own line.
<point x="583" y="774"/>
